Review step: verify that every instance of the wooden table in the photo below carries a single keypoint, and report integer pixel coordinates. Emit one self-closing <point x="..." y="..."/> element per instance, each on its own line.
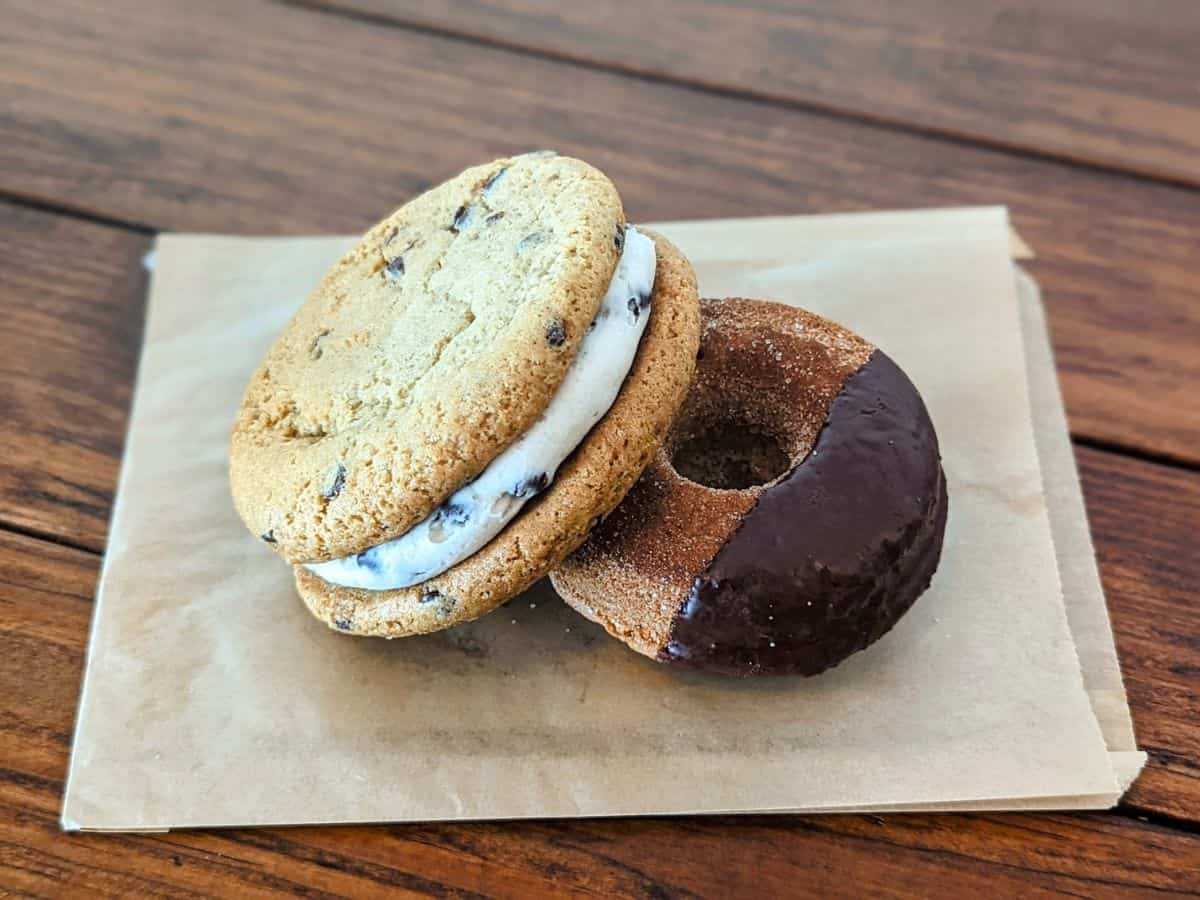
<point x="122" y="119"/>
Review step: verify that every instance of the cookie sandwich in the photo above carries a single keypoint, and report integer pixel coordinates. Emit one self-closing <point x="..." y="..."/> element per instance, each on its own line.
<point x="468" y="392"/>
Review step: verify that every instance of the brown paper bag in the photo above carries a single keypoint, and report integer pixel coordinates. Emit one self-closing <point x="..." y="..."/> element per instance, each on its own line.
<point x="212" y="698"/>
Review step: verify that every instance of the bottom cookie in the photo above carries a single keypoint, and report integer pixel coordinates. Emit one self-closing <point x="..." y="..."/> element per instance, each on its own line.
<point x="794" y="513"/>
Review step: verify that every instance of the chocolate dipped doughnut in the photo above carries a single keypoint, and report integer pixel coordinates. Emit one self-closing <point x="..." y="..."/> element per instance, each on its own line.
<point x="794" y="513"/>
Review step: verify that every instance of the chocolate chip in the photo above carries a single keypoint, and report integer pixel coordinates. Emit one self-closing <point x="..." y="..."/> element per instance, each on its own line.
<point x="494" y="218"/>
<point x="619" y="237"/>
<point x="341" y="624"/>
<point x="335" y="487"/>
<point x="368" y="560"/>
<point x="445" y="604"/>
<point x="269" y="537"/>
<point x="530" y="486"/>
<point x="530" y="240"/>
<point x="394" y="269"/>
<point x="556" y="334"/>
<point x="491" y="182"/>
<point x="452" y="514"/>
<point x="462" y="218"/>
<point x="635" y="305"/>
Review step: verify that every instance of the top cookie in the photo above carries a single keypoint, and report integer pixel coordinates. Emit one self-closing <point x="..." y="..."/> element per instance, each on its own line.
<point x="428" y="349"/>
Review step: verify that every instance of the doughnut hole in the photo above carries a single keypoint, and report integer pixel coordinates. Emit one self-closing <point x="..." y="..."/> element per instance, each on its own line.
<point x="745" y="425"/>
<point x="731" y="456"/>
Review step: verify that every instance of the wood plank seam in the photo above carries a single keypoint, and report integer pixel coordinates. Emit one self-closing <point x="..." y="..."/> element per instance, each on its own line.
<point x="38" y="535"/>
<point x="1154" y="817"/>
<point x="811" y="107"/>
<point x="42" y="204"/>
<point x="1118" y="449"/>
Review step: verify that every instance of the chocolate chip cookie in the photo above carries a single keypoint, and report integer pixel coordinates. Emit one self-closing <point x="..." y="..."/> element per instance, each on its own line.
<point x="484" y="375"/>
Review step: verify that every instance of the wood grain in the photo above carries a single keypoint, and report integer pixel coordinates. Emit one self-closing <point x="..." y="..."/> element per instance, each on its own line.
<point x="236" y="118"/>
<point x="44" y="591"/>
<point x="1144" y="520"/>
<point x="251" y="118"/>
<point x="71" y="295"/>
<point x="1103" y="81"/>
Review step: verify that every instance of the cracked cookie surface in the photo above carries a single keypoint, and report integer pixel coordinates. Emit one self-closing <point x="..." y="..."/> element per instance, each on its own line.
<point x="429" y="348"/>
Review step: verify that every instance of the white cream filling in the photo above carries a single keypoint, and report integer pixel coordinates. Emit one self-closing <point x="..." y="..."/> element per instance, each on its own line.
<point x="477" y="512"/>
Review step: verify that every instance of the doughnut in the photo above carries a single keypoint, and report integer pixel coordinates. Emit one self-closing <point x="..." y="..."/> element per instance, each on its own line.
<point x="794" y="513"/>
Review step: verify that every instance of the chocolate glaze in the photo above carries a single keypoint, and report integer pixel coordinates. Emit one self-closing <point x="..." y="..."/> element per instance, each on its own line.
<point x="831" y="556"/>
